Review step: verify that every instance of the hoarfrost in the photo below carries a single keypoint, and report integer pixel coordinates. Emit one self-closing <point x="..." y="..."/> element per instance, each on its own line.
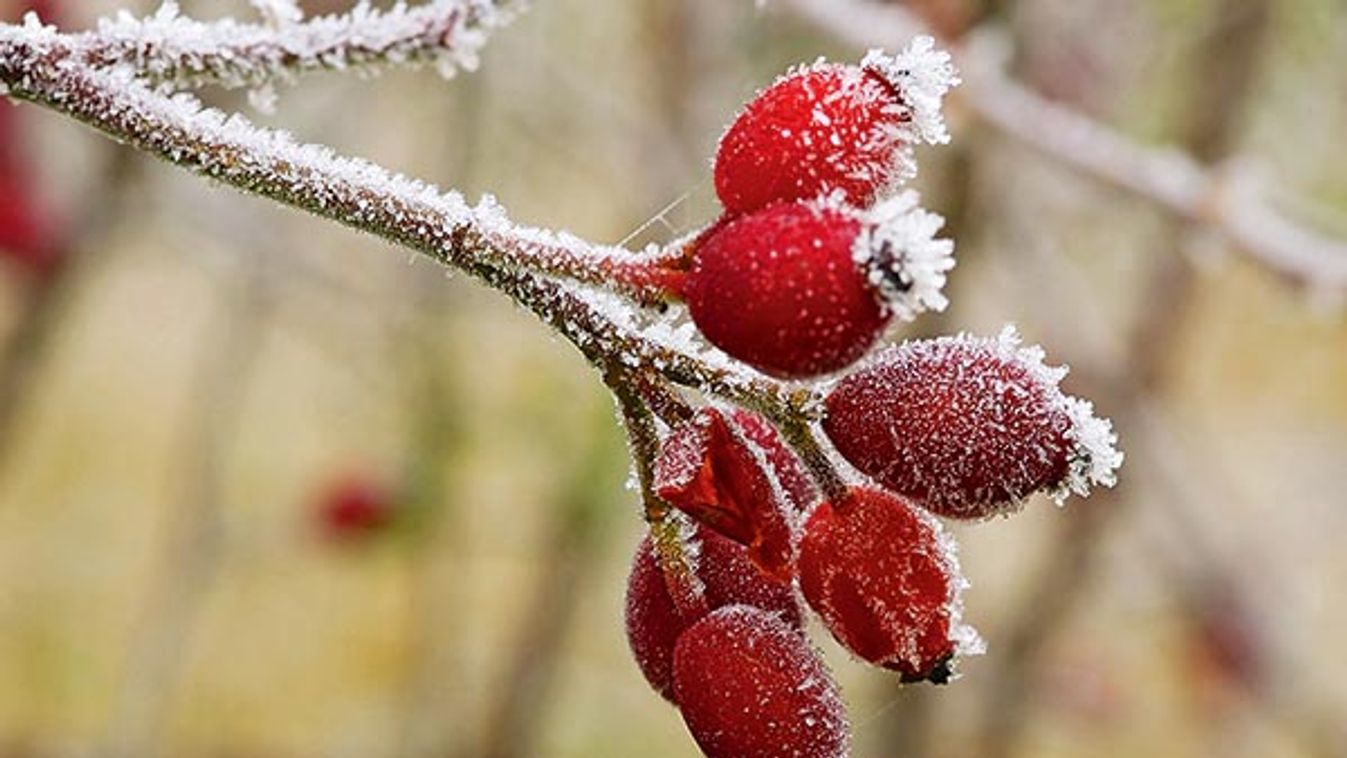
<point x="903" y="259"/>
<point x="922" y="75"/>
<point x="446" y="34"/>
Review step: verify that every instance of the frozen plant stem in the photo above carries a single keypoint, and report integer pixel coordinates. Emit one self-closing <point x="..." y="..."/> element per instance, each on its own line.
<point x="171" y="49"/>
<point x="86" y="78"/>
<point x="42" y="66"/>
<point x="39" y="65"/>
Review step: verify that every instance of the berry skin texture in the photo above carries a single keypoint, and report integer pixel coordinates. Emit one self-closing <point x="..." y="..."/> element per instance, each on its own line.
<point x="831" y="129"/>
<point x="750" y="686"/>
<point x="968" y="427"/>
<point x="781" y="291"/>
<point x="886" y="584"/>
<point x="821" y="129"/>
<point x="789" y="469"/>
<point x="654" y="621"/>
<point x="707" y="469"/>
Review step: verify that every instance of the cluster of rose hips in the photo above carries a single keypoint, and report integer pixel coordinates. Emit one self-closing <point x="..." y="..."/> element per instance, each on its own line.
<point x="816" y="253"/>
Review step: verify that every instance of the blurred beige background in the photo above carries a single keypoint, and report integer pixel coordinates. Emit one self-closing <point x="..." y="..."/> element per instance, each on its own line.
<point x="213" y="361"/>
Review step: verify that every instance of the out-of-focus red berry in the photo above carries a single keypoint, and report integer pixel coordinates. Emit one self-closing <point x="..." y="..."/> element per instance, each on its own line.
<point x="708" y="470"/>
<point x="726" y="577"/>
<point x="886" y="583"/>
<point x="354" y="508"/>
<point x="750" y="686"/>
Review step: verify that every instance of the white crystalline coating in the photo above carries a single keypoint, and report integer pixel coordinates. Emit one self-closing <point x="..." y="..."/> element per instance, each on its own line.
<point x="279" y="12"/>
<point x="270" y="162"/>
<point x="967" y="641"/>
<point x="446" y="34"/>
<point x="1095" y="457"/>
<point x="922" y="75"/>
<point x="898" y="249"/>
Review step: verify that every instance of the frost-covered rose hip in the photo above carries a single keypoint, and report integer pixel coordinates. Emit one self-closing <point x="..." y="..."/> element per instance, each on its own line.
<point x="884" y="579"/>
<point x="750" y="686"/>
<point x="789" y="469"/>
<point x="805" y="288"/>
<point x="726" y="577"/>
<point x="969" y="426"/>
<point x="834" y="128"/>
<point x="709" y="470"/>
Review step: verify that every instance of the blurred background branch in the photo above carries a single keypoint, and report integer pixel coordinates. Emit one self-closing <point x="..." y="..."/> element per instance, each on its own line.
<point x="1175" y="180"/>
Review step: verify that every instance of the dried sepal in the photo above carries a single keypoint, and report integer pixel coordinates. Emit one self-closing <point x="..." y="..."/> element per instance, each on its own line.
<point x="709" y="471"/>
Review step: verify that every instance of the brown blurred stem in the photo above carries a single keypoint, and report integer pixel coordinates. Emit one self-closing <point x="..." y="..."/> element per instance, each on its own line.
<point x="193" y="549"/>
<point x="515" y="719"/>
<point x="1224" y="78"/>
<point x="47" y="300"/>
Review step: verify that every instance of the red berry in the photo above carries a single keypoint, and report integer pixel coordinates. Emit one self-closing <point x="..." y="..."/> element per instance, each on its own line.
<point x="886" y="583"/>
<point x="750" y="686"/>
<point x="833" y="128"/>
<point x="709" y="471"/>
<point x="789" y="469"/>
<point x="805" y="288"/>
<point x="354" y="507"/>
<point x="968" y="427"/>
<point x="726" y="576"/>
<point x="25" y="236"/>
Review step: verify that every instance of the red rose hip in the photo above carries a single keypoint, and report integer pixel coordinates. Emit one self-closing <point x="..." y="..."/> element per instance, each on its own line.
<point x="831" y="128"/>
<point x="789" y="469"/>
<point x="750" y="686"/>
<point x="886" y="583"/>
<point x="726" y="576"/>
<point x="968" y="427"/>
<point x="709" y="470"/>
<point x="354" y="508"/>
<point x="805" y="288"/>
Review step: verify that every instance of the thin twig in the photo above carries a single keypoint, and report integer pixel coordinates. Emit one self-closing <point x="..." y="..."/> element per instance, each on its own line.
<point x="169" y="48"/>
<point x="194" y="550"/>
<point x="42" y="66"/>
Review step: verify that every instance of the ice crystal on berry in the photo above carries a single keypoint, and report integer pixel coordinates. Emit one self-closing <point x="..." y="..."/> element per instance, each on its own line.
<point x="969" y="426"/>
<point x="898" y="248"/>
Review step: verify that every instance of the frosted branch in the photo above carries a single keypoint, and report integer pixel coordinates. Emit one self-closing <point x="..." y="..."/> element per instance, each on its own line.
<point x="170" y="48"/>
<point x="38" y="65"/>
<point x="1167" y="177"/>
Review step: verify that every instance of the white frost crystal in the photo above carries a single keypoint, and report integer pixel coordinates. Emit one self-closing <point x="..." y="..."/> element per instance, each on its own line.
<point x="922" y="75"/>
<point x="898" y="249"/>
